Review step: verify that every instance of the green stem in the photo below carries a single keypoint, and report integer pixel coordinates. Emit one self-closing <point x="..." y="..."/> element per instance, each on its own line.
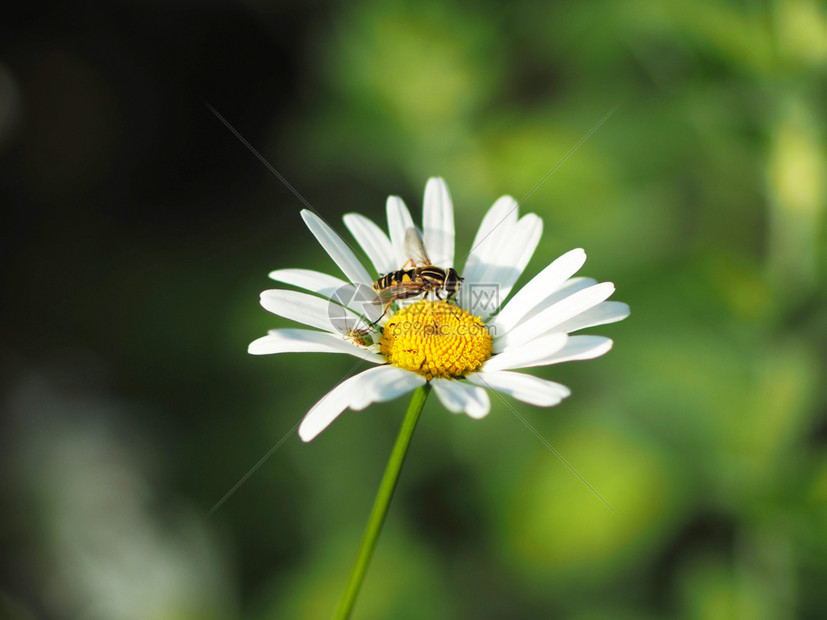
<point x="381" y="503"/>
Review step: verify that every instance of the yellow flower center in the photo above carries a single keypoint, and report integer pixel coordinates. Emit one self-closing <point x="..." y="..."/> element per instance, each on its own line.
<point x="436" y="339"/>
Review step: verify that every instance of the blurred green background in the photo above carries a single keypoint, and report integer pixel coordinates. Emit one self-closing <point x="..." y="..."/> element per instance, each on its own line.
<point x="139" y="232"/>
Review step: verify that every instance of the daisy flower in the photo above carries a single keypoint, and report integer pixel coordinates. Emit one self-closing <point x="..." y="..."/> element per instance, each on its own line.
<point x="460" y="347"/>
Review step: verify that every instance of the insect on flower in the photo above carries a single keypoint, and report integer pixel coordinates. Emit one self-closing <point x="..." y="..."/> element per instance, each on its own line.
<point x="362" y="337"/>
<point x="423" y="277"/>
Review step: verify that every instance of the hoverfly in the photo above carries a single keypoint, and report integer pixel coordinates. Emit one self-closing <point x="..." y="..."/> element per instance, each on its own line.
<point x="423" y="277"/>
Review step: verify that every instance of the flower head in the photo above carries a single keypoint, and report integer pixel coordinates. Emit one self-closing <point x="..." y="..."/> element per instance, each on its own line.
<point x="436" y="339"/>
<point x="461" y="345"/>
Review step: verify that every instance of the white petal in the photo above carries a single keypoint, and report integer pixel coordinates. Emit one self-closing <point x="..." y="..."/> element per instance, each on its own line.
<point x="507" y="264"/>
<point x="438" y="223"/>
<point x="537" y="289"/>
<point x="529" y="354"/>
<point x="554" y="315"/>
<point x="374" y="385"/>
<point x="373" y="240"/>
<point x="527" y="388"/>
<point x="357" y="297"/>
<point x="580" y="348"/>
<point x="458" y="396"/>
<point x="601" y="314"/>
<point x="533" y="353"/>
<point x="308" y="341"/>
<point x="532" y="227"/>
<point x="399" y="220"/>
<point x="315" y="281"/>
<point x="308" y="309"/>
<point x="499" y="218"/>
<point x="338" y="250"/>
<point x="387" y="384"/>
<point x="569" y="287"/>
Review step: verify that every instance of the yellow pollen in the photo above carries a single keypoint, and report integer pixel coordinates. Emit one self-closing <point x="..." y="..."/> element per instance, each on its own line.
<point x="435" y="339"/>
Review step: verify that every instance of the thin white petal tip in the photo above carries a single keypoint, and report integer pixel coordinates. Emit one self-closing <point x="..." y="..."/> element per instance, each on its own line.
<point x="309" y="429"/>
<point x="478" y="414"/>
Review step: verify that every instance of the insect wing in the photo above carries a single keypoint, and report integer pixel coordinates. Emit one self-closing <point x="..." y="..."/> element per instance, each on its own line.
<point x="415" y="248"/>
<point x="397" y="291"/>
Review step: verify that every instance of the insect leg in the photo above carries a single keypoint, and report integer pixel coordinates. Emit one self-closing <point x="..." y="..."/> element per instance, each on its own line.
<point x="384" y="312"/>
